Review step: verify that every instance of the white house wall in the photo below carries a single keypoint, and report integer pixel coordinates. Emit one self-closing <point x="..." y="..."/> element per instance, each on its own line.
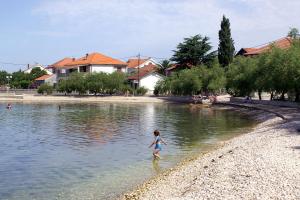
<point x="147" y="62"/>
<point x="150" y="81"/>
<point x="124" y="69"/>
<point x="51" y="80"/>
<point x="28" y="71"/>
<point x="106" y="68"/>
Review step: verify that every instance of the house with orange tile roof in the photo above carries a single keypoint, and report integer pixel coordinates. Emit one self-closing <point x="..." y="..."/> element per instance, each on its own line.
<point x="146" y="77"/>
<point x="59" y="64"/>
<point x="90" y="63"/>
<point x="45" y="79"/>
<point x="134" y="63"/>
<point x="282" y="43"/>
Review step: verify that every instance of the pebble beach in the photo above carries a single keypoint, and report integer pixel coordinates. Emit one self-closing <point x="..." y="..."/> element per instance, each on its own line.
<point x="262" y="164"/>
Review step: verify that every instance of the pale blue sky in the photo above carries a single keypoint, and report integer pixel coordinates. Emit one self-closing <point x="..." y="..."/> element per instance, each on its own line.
<point x="45" y="31"/>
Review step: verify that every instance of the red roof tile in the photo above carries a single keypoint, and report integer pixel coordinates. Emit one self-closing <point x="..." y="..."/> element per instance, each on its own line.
<point x="282" y="43"/>
<point x="147" y="69"/>
<point x="95" y="59"/>
<point x="134" y="62"/>
<point x="44" y="77"/>
<point x="173" y="66"/>
<point x="177" y="66"/>
<point x="61" y="63"/>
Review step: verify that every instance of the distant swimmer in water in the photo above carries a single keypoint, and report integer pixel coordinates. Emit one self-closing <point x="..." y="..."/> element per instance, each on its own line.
<point x="8" y="106"/>
<point x="59" y="107"/>
<point x="157" y="142"/>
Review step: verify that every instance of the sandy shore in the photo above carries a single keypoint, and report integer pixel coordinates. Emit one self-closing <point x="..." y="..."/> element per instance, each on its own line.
<point x="74" y="99"/>
<point x="263" y="164"/>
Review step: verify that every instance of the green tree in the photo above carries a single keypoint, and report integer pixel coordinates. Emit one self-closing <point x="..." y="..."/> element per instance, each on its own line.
<point x="163" y="86"/>
<point x="141" y="91"/>
<point x="281" y="73"/>
<point x="187" y="83"/>
<point x="263" y="74"/>
<point x="276" y="71"/>
<point x="114" y="82"/>
<point x="25" y="80"/>
<point x="21" y="80"/>
<point x="45" y="88"/>
<point x="76" y="82"/>
<point x="216" y="79"/>
<point x="240" y="76"/>
<point x="95" y="82"/>
<point x="63" y="86"/>
<point x="163" y="65"/>
<point x="3" y="77"/>
<point x="193" y="81"/>
<point x="293" y="33"/>
<point x="37" y="72"/>
<point x="226" y="46"/>
<point x="193" y="51"/>
<point x="294" y="53"/>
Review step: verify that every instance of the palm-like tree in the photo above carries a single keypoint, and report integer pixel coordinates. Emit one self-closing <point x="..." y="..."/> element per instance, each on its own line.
<point x="163" y="65"/>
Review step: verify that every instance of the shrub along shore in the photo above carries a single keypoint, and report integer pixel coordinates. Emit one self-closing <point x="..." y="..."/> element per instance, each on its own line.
<point x="276" y="71"/>
<point x="95" y="83"/>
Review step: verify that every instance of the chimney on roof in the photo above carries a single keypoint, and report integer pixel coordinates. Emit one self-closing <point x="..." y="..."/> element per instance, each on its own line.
<point x="73" y="59"/>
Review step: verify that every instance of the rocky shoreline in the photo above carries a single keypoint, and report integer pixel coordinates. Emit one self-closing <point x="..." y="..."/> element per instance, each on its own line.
<point x="262" y="164"/>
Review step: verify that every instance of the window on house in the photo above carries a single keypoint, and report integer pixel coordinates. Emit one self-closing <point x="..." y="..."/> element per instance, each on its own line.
<point x="83" y="69"/>
<point x="119" y="69"/>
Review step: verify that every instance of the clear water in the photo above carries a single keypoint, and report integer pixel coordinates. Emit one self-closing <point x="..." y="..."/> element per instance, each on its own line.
<point x="97" y="151"/>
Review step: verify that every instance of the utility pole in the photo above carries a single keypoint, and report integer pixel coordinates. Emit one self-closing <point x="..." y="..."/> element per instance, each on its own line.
<point x="139" y="57"/>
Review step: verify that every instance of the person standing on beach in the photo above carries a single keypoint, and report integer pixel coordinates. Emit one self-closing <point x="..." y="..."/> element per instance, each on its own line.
<point x="157" y="142"/>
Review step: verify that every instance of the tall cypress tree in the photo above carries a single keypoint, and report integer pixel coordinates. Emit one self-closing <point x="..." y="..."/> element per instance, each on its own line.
<point x="226" y="45"/>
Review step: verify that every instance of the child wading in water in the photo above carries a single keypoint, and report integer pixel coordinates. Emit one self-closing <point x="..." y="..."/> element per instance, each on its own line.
<point x="157" y="141"/>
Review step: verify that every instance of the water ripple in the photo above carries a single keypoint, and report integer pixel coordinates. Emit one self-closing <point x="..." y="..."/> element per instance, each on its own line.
<point x="98" y="150"/>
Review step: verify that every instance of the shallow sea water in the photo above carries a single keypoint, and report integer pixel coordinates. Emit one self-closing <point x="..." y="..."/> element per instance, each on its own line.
<point x="98" y="151"/>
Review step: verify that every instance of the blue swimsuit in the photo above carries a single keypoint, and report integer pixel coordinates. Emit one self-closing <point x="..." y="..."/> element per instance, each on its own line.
<point x="157" y="143"/>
